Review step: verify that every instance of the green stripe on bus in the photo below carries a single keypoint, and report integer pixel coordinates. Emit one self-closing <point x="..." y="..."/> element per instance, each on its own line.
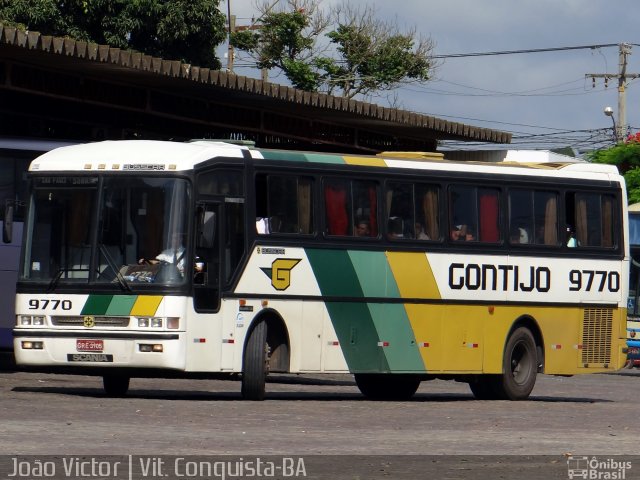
<point x="302" y="157"/>
<point x="358" y="337"/>
<point x="96" y="305"/>
<point x="397" y="337"/>
<point x="121" y="305"/>
<point x="352" y="321"/>
<point x="390" y="320"/>
<point x="319" y="158"/>
<point x="335" y="273"/>
<point x="374" y="275"/>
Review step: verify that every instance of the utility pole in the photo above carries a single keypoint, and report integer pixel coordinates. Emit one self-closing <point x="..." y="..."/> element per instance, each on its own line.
<point x="622" y="76"/>
<point x="264" y="73"/>
<point x="232" y="28"/>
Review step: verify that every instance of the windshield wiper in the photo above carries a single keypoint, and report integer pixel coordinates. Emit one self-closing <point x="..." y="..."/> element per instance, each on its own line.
<point x="55" y="279"/>
<point x="121" y="280"/>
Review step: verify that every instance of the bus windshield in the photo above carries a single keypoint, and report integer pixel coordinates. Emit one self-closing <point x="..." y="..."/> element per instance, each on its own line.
<point x="138" y="237"/>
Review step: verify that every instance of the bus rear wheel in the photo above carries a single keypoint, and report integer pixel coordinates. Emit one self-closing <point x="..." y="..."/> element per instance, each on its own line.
<point x="387" y="386"/>
<point x="255" y="364"/>
<point x="115" y="385"/>
<point x="519" y="367"/>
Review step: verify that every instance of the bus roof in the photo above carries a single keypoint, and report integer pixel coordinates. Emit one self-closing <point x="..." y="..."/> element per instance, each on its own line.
<point x="153" y="155"/>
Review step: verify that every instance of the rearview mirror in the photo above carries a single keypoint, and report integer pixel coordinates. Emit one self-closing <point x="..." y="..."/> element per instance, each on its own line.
<point x="7" y="227"/>
<point x="207" y="229"/>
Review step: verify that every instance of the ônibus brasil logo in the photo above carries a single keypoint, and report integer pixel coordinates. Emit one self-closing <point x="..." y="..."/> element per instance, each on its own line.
<point x="596" y="469"/>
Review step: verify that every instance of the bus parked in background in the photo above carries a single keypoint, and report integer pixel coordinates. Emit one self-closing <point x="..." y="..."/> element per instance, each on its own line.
<point x="633" y="312"/>
<point x="15" y="156"/>
<point x="146" y="258"/>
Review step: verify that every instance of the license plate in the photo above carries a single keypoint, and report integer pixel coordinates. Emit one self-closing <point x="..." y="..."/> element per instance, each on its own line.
<point x="89" y="357"/>
<point x="84" y="345"/>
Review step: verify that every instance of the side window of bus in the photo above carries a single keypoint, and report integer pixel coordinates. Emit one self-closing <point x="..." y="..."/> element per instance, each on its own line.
<point x="284" y="204"/>
<point x="351" y="207"/>
<point x="474" y="214"/>
<point x="221" y="182"/>
<point x="412" y="211"/>
<point x="13" y="184"/>
<point x="533" y="217"/>
<point x="590" y="220"/>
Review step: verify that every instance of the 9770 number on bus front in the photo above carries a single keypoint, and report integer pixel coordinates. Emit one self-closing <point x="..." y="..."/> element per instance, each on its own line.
<point x="592" y="280"/>
<point x="35" y="304"/>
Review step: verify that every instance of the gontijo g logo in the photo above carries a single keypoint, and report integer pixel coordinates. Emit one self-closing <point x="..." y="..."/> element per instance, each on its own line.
<point x="280" y="272"/>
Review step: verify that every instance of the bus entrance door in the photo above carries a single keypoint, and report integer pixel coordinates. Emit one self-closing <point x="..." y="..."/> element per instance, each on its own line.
<point x="206" y="280"/>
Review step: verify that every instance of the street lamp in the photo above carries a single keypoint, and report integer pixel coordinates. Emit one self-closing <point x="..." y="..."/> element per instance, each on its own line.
<point x="608" y="111"/>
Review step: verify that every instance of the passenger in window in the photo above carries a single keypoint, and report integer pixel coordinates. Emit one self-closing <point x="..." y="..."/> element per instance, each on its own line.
<point x="468" y="235"/>
<point x="362" y="229"/>
<point x="572" y="241"/>
<point x="199" y="267"/>
<point x="461" y="233"/>
<point x="395" y="228"/>
<point x="420" y="233"/>
<point x="519" y="235"/>
<point x="456" y="233"/>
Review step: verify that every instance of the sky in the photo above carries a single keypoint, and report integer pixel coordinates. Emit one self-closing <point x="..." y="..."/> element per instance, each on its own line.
<point x="544" y="98"/>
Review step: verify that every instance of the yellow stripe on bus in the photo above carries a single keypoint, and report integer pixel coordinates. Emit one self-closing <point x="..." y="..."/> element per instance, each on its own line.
<point x="413" y="275"/>
<point x="415" y="279"/>
<point x="146" y="305"/>
<point x="365" y="161"/>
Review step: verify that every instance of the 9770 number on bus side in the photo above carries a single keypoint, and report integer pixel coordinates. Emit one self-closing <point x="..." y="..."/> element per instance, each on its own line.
<point x="35" y="304"/>
<point x="592" y="280"/>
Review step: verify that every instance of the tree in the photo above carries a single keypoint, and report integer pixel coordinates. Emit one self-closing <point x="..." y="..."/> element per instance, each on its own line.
<point x="626" y="156"/>
<point x="368" y="55"/>
<point x="286" y="40"/>
<point x="187" y="30"/>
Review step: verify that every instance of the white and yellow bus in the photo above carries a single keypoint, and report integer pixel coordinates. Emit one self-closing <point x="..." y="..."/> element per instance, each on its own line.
<point x="147" y="258"/>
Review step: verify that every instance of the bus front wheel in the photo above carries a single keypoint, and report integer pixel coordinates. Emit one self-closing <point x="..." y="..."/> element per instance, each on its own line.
<point x="255" y="364"/>
<point x="387" y="386"/>
<point x="115" y="385"/>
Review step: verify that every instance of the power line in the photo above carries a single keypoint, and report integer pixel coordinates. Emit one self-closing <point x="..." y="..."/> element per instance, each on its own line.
<point x="530" y="50"/>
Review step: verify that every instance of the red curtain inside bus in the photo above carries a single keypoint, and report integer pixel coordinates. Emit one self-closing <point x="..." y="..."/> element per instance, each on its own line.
<point x="489" y="229"/>
<point x="335" y="197"/>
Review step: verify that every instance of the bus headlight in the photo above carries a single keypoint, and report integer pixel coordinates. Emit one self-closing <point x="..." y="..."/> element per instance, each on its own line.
<point x="157" y="322"/>
<point x="24" y="320"/>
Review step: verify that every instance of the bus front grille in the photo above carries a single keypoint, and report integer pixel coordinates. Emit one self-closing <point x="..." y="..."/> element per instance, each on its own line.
<point x="596" y="336"/>
<point x="98" y="321"/>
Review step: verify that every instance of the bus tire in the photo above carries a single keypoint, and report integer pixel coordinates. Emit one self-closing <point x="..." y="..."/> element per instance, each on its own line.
<point x="115" y="385"/>
<point x="519" y="366"/>
<point x="387" y="386"/>
<point x="255" y="365"/>
<point x="484" y="387"/>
